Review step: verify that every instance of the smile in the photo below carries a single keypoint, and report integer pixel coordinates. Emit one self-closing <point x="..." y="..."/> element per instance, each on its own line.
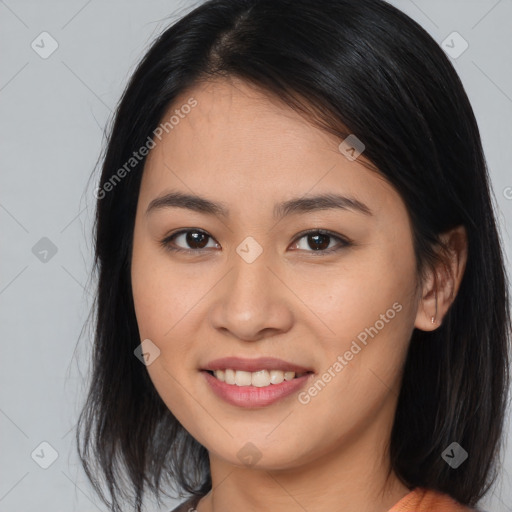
<point x="251" y="396"/>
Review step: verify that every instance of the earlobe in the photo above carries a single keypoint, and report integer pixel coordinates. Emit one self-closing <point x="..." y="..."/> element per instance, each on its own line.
<point x="442" y="285"/>
<point x="434" y="318"/>
<point x="427" y="315"/>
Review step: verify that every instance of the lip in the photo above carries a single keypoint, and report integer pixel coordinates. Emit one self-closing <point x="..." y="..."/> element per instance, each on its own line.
<point x="252" y="396"/>
<point x="254" y="365"/>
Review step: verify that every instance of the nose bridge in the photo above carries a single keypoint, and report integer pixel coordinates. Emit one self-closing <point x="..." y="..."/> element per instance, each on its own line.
<point x="252" y="299"/>
<point x="250" y="277"/>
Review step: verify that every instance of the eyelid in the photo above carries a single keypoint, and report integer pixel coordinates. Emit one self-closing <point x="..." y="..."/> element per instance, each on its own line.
<point x="344" y="241"/>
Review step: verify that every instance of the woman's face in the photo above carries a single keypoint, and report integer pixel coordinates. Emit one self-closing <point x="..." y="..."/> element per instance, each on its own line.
<point x="254" y="284"/>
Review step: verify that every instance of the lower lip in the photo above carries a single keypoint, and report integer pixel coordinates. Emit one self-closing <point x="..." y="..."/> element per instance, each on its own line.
<point x="252" y="396"/>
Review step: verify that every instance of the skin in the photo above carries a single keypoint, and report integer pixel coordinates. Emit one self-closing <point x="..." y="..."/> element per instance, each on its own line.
<point x="241" y="147"/>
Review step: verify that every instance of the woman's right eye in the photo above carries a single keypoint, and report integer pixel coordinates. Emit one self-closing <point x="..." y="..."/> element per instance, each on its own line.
<point x="195" y="238"/>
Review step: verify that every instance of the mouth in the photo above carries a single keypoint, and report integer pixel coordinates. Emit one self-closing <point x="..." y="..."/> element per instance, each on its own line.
<point x="254" y="383"/>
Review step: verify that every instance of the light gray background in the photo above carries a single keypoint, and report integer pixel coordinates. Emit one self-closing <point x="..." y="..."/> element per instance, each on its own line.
<point x="53" y="112"/>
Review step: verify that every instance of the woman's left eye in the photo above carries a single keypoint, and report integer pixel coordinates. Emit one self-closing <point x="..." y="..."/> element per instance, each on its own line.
<point x="318" y="239"/>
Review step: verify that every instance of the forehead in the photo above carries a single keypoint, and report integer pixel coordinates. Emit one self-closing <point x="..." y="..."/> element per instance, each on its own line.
<point x="243" y="121"/>
<point x="239" y="142"/>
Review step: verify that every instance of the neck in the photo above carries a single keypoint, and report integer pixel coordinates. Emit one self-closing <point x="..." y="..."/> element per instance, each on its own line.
<point x="353" y="478"/>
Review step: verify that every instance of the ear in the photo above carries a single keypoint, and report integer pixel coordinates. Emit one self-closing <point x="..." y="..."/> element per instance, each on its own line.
<point x="443" y="281"/>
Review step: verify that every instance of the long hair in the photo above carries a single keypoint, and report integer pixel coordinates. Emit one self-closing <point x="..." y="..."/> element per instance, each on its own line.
<point x="348" y="66"/>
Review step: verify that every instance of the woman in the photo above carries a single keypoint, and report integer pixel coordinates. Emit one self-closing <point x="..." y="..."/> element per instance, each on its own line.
<point x="302" y="302"/>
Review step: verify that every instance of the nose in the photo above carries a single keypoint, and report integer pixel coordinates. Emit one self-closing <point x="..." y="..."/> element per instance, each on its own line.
<point x="252" y="302"/>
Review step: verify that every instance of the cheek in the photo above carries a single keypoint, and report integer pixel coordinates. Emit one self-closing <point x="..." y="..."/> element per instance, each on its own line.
<point x="161" y="298"/>
<point x="161" y="307"/>
<point x="354" y="295"/>
<point x="369" y="309"/>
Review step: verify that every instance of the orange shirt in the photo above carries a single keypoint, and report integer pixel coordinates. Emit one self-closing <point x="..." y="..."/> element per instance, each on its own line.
<point x="427" y="500"/>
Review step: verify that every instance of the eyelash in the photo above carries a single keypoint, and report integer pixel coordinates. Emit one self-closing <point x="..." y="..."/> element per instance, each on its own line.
<point x="165" y="243"/>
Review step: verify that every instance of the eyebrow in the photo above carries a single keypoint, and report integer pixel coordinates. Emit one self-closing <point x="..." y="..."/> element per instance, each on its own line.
<point x="292" y="206"/>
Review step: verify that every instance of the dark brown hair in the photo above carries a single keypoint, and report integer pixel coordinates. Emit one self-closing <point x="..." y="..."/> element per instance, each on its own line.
<point x="365" y="66"/>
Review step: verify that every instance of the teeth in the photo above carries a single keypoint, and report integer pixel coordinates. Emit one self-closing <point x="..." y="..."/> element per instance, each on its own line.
<point x="276" y="376"/>
<point x="242" y="378"/>
<point x="258" y="379"/>
<point x="229" y="376"/>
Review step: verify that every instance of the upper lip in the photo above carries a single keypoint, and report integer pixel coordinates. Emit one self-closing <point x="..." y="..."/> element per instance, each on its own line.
<point x="254" y="365"/>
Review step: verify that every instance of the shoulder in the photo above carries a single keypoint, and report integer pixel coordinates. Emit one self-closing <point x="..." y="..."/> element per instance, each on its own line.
<point x="188" y="506"/>
<point x="426" y="500"/>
